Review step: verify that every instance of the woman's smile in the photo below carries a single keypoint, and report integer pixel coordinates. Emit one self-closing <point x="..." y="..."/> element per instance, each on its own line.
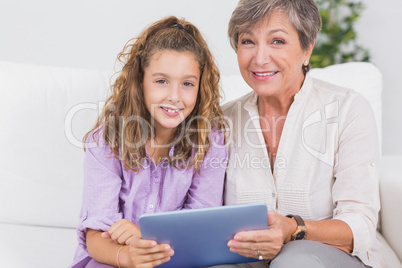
<point x="264" y="75"/>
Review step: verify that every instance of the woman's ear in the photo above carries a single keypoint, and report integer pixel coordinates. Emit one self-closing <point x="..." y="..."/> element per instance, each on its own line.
<point x="309" y="51"/>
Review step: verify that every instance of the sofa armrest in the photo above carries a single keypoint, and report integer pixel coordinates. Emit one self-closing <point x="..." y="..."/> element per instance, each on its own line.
<point x="391" y="200"/>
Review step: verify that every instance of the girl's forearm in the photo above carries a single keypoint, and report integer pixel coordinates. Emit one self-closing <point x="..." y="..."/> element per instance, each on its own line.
<point x="105" y="250"/>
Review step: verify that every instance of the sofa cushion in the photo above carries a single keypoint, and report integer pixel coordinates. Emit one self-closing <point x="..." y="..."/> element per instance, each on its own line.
<point x="23" y="246"/>
<point x="391" y="198"/>
<point x="40" y="163"/>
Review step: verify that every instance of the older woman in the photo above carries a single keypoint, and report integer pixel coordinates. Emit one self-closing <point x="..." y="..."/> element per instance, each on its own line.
<point x="307" y="148"/>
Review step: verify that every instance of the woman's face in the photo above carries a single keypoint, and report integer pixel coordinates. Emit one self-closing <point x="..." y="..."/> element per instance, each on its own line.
<point x="270" y="57"/>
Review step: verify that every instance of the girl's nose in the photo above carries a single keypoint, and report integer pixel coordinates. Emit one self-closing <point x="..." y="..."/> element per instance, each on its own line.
<point x="174" y="93"/>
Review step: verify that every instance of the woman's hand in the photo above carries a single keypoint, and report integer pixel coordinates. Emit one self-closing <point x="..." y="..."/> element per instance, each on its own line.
<point x="121" y="231"/>
<point x="146" y="253"/>
<point x="268" y="242"/>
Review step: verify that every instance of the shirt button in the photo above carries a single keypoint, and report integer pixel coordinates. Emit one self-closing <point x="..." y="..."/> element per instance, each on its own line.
<point x="156" y="180"/>
<point x="372" y="164"/>
<point x="273" y="195"/>
<point x="151" y="206"/>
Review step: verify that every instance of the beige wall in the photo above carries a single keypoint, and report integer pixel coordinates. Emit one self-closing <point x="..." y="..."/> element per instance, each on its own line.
<point x="380" y="29"/>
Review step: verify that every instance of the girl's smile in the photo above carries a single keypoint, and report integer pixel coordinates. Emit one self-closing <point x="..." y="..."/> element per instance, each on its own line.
<point x="171" y="111"/>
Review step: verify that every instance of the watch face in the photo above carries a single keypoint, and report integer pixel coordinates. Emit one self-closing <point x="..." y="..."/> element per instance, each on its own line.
<point x="300" y="235"/>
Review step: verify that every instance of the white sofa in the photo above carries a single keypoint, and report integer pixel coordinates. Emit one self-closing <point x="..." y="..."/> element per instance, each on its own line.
<point x="45" y="111"/>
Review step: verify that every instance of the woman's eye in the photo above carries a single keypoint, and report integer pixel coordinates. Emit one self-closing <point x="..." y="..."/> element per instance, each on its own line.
<point x="246" y="42"/>
<point x="278" y="42"/>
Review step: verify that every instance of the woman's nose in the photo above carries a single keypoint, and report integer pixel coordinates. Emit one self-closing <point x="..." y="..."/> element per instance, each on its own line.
<point x="262" y="56"/>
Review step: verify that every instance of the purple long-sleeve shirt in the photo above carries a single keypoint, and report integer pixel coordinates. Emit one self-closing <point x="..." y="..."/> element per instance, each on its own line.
<point x="112" y="193"/>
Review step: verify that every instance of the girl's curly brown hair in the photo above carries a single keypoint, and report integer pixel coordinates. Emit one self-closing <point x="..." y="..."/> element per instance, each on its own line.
<point x="125" y="118"/>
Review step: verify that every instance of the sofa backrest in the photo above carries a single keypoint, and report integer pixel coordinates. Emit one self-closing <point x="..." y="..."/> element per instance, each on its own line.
<point x="45" y="112"/>
<point x="40" y="168"/>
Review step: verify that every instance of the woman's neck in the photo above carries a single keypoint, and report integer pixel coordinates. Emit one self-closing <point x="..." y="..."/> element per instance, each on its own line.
<point x="268" y="106"/>
<point x="279" y="104"/>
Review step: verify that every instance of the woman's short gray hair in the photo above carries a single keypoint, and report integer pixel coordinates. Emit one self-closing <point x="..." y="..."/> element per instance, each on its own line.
<point x="303" y="14"/>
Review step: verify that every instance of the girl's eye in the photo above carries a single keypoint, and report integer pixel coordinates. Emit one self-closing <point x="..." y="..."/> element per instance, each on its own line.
<point x="278" y="42"/>
<point x="161" y="81"/>
<point x="188" y="84"/>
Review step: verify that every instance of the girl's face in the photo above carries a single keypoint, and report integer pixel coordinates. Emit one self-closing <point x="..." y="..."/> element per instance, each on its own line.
<point x="270" y="57"/>
<point x="171" y="84"/>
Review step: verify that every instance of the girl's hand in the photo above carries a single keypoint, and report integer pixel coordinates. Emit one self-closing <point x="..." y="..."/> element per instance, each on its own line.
<point x="147" y="253"/>
<point x="268" y="242"/>
<point x="121" y="231"/>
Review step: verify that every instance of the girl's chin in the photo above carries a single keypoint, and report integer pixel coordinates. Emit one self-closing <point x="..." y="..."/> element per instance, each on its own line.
<point x="166" y="125"/>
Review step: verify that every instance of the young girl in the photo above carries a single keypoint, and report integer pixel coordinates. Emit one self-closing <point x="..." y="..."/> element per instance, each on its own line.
<point x="158" y="146"/>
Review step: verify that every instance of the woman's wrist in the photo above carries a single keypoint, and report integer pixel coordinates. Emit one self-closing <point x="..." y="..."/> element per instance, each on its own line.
<point x="291" y="225"/>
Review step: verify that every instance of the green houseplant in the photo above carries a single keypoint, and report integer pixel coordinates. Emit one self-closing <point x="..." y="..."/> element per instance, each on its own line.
<point x="336" y="42"/>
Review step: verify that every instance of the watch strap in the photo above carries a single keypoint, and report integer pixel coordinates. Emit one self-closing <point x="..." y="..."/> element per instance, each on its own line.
<point x="301" y="231"/>
<point x="299" y="220"/>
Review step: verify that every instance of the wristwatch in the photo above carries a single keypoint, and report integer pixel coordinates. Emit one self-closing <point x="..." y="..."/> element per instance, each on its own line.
<point x="301" y="230"/>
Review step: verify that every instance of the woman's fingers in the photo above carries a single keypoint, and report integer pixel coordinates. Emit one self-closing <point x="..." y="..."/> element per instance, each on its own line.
<point x="254" y="236"/>
<point x="246" y="252"/>
<point x="252" y="244"/>
<point x="264" y="250"/>
<point x="274" y="235"/>
<point x="267" y="250"/>
<point x="271" y="217"/>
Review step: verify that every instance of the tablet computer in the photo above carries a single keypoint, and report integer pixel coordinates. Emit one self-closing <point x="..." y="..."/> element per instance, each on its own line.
<point x="199" y="237"/>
